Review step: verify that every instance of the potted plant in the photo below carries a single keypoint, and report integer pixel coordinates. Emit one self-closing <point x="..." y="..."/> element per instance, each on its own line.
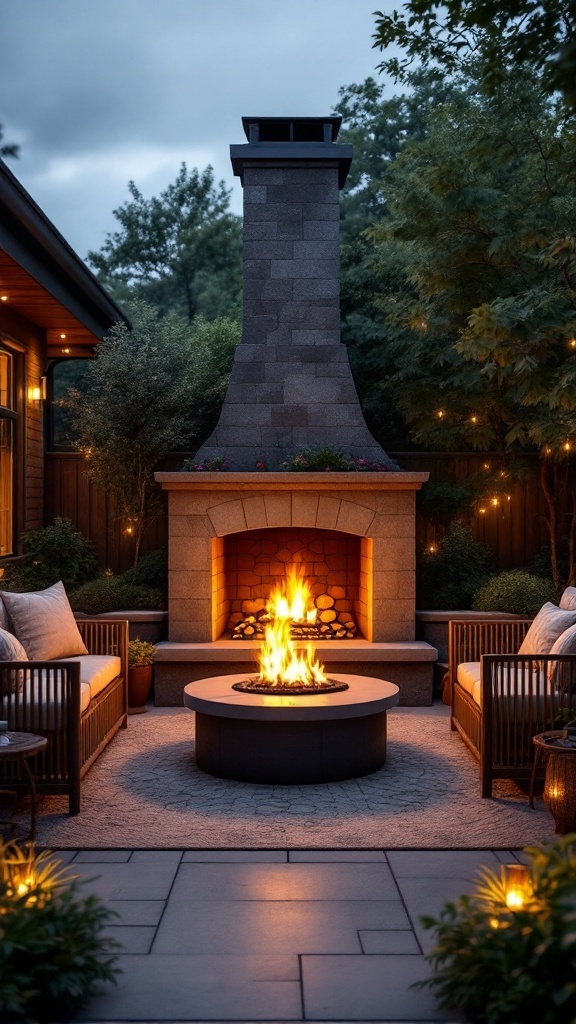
<point x="140" y="674"/>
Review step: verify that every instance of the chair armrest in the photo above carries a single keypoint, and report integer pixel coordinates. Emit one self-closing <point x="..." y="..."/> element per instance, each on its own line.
<point x="39" y="685"/>
<point x="106" y="636"/>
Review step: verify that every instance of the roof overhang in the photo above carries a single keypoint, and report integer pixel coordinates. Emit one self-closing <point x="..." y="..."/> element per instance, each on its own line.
<point x="44" y="280"/>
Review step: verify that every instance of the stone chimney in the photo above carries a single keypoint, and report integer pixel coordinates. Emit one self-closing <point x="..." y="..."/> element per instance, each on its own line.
<point x="291" y="384"/>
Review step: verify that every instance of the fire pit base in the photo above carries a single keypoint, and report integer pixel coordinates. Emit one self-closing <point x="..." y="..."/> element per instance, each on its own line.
<point x="290" y="740"/>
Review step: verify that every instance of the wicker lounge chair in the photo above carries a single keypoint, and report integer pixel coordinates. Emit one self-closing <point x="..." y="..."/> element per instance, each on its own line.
<point x="78" y="704"/>
<point x="499" y="699"/>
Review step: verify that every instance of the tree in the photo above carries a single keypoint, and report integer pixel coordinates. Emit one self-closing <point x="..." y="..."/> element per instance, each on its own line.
<point x="510" y="34"/>
<point x="482" y="228"/>
<point x="8" y="149"/>
<point x="378" y="128"/>
<point x="179" y="251"/>
<point x="141" y="401"/>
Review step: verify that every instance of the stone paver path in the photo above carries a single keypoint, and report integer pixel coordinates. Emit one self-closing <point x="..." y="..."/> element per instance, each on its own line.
<point x="269" y="935"/>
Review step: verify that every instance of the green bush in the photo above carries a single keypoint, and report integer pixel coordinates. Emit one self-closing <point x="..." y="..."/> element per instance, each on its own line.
<point x="140" y="653"/>
<point x="329" y="459"/>
<point x="56" y="552"/>
<point x="516" y="591"/>
<point x="52" y="951"/>
<point x="112" y="594"/>
<point x="502" y="966"/>
<point x="441" y="501"/>
<point x="451" y="576"/>
<point x="150" y="571"/>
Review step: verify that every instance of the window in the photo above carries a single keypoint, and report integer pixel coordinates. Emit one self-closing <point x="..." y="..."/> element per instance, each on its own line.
<point x="8" y="417"/>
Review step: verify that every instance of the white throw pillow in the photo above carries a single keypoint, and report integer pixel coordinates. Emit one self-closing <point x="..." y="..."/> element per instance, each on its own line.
<point x="549" y="623"/>
<point x="45" y="625"/>
<point x="568" y="599"/>
<point x="11" y="650"/>
<point x="565" y="644"/>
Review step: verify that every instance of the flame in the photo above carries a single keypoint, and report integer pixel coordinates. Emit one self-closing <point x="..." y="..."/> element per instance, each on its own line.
<point x="279" y="660"/>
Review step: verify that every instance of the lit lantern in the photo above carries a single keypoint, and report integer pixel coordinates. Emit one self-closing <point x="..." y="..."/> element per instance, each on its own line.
<point x="518" y="890"/>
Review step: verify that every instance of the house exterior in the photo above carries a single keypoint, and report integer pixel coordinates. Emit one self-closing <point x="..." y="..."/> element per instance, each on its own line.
<point x="51" y="308"/>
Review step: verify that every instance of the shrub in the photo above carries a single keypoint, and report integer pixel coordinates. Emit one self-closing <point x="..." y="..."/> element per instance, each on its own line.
<point x="328" y="459"/>
<point x="516" y="591"/>
<point x="150" y="571"/>
<point x="140" y="653"/>
<point x="503" y="966"/>
<point x="451" y="576"/>
<point x="441" y="501"/>
<point x="52" y="951"/>
<point x="56" y="552"/>
<point x="112" y="594"/>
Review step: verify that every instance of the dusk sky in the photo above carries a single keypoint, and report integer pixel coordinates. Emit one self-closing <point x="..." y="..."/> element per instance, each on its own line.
<point x="98" y="92"/>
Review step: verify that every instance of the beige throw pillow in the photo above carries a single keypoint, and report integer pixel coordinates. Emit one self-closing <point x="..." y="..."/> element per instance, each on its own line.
<point x="563" y="674"/>
<point x="11" y="650"/>
<point x="44" y="623"/>
<point x="568" y="599"/>
<point x="549" y="623"/>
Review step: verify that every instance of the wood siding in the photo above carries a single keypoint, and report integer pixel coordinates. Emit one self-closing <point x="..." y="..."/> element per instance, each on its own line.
<point x="515" y="532"/>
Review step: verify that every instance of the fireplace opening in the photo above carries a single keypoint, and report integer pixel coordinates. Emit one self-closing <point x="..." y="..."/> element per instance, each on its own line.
<point x="327" y="563"/>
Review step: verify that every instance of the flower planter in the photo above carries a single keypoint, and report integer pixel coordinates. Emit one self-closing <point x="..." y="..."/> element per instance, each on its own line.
<point x="140" y="680"/>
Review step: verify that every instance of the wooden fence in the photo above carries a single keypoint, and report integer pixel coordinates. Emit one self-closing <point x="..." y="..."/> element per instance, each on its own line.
<point x="514" y="531"/>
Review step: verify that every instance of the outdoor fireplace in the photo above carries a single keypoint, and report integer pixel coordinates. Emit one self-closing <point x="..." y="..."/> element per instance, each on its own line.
<point x="233" y="534"/>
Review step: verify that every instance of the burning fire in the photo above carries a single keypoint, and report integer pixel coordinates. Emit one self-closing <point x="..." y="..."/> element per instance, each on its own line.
<point x="281" y="664"/>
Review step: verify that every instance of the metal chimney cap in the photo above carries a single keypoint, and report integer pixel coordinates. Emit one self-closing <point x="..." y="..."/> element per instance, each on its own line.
<point x="292" y="129"/>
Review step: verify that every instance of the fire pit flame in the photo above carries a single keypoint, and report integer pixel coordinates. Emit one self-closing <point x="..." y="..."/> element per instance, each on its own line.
<point x="284" y="668"/>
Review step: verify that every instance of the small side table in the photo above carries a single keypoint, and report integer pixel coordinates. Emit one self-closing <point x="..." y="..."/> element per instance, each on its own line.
<point x="560" y="782"/>
<point x="21" y="747"/>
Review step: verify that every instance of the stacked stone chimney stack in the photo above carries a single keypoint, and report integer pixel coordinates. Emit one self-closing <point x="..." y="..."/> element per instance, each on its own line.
<point x="291" y="384"/>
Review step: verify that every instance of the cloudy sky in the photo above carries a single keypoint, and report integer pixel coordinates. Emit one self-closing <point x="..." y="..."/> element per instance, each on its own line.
<point x="98" y="92"/>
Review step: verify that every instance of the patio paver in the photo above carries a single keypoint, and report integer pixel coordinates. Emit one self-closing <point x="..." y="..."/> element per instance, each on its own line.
<point x="254" y="936"/>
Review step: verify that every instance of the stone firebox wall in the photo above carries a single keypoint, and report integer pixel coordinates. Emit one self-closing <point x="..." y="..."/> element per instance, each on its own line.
<point x="257" y="561"/>
<point x="204" y="509"/>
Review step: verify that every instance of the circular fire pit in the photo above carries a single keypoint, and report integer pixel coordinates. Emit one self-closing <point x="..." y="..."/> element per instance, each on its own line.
<point x="280" y="740"/>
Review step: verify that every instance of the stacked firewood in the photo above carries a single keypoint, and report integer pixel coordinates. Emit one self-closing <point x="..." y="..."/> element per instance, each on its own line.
<point x="333" y="621"/>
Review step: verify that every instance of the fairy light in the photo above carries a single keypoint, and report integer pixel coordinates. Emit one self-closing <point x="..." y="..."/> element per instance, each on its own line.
<point x="567" y="446"/>
<point x="486" y="465"/>
<point x="432" y="549"/>
<point x="440" y="414"/>
<point x="482" y="511"/>
<point x="495" y="501"/>
<point x="473" y="419"/>
<point x="572" y="343"/>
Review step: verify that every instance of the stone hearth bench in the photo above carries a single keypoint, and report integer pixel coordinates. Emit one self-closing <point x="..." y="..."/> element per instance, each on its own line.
<point x="407" y="663"/>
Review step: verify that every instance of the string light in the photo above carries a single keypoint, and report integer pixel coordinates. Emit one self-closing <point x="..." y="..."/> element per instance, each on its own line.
<point x="482" y="511"/>
<point x="486" y="465"/>
<point x="567" y="446"/>
<point x="495" y="501"/>
<point x="440" y="414"/>
<point x="473" y="419"/>
<point x="572" y="343"/>
<point x="432" y="549"/>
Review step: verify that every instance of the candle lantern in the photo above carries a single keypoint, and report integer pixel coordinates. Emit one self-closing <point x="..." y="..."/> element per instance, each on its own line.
<point x="517" y="885"/>
<point x="559" y="750"/>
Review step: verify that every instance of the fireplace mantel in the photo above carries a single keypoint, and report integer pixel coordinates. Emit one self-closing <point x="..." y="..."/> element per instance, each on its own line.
<point x="264" y="481"/>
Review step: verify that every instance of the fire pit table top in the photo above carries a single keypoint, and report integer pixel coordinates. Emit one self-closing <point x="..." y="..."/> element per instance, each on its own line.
<point x="364" y="696"/>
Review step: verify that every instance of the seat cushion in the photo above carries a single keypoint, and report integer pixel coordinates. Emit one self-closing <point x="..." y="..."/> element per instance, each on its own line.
<point x="549" y="623"/>
<point x="509" y="684"/>
<point x="44" y="623"/>
<point x="42" y="692"/>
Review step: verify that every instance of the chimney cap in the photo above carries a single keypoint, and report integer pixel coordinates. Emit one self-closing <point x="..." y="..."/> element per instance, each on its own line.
<point x="292" y="129"/>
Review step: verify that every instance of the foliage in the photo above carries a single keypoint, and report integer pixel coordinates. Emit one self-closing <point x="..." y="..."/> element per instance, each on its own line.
<point x="451" y="576"/>
<point x="151" y="571"/>
<point x="378" y="127"/>
<point x="516" y="591"/>
<point x="504" y="966"/>
<point x="52" y="951"/>
<point x="541" y="564"/>
<point x="180" y="250"/>
<point x="442" y="501"/>
<point x="140" y="653"/>
<point x="53" y="553"/>
<point x="8" y="149"/>
<point x="481" y="231"/>
<point x="143" y="394"/>
<point x="216" y="465"/>
<point x="538" y="34"/>
<point x="327" y="459"/>
<point x="112" y="594"/>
